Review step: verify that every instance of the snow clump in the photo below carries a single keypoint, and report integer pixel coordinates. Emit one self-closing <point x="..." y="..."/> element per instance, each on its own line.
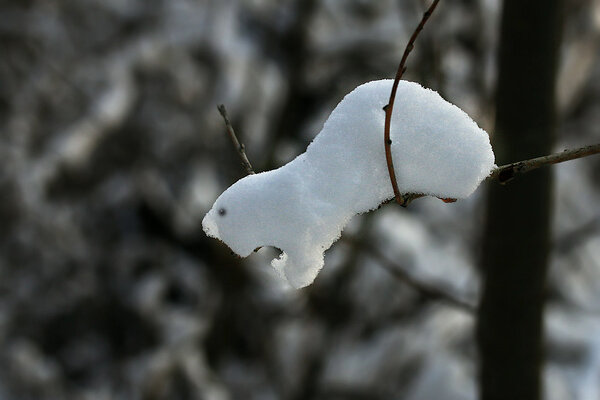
<point x="302" y="207"/>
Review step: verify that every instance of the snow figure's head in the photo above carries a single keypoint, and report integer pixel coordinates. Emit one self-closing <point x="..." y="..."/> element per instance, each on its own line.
<point x="270" y="209"/>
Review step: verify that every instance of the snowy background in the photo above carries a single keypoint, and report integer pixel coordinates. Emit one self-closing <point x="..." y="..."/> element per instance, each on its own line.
<point x="112" y="150"/>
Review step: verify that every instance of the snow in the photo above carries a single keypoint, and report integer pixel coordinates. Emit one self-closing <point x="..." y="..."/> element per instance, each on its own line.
<point x="302" y="207"/>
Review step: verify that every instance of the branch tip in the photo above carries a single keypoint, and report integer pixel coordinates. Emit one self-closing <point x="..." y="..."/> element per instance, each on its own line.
<point x="508" y="172"/>
<point x="239" y="147"/>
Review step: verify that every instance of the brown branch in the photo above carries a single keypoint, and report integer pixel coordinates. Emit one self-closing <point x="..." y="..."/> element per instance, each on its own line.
<point x="506" y="173"/>
<point x="240" y="148"/>
<point x="390" y="106"/>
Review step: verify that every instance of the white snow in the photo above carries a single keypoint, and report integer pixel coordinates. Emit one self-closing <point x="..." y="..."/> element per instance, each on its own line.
<point x="302" y="207"/>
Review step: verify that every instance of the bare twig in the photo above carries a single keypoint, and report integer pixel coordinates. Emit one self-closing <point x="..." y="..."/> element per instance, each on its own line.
<point x="390" y="106"/>
<point x="506" y="173"/>
<point x="240" y="148"/>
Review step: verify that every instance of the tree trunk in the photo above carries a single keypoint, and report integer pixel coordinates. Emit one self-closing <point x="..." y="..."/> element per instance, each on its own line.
<point x="516" y="237"/>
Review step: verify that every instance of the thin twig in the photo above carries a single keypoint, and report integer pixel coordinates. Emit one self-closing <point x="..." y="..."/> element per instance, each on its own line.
<point x="390" y="106"/>
<point x="506" y="173"/>
<point x="240" y="148"/>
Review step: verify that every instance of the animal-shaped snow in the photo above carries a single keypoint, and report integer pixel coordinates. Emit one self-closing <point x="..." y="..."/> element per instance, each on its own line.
<point x="302" y="207"/>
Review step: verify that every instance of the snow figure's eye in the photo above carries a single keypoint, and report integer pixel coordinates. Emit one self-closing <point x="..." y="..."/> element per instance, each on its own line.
<point x="222" y="212"/>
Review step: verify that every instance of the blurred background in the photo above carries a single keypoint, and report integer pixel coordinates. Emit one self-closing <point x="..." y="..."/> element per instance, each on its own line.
<point x="112" y="150"/>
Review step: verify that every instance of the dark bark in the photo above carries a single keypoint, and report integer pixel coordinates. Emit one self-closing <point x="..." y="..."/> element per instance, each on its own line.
<point x="516" y="238"/>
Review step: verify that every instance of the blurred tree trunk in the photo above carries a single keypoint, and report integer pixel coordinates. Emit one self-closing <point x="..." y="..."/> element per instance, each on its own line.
<point x="516" y="237"/>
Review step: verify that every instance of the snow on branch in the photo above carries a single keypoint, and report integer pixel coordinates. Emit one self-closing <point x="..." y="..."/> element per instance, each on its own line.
<point x="303" y="206"/>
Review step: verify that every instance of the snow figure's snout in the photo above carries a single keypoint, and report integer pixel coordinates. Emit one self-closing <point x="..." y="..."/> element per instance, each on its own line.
<point x="232" y="220"/>
<point x="264" y="210"/>
<point x="209" y="225"/>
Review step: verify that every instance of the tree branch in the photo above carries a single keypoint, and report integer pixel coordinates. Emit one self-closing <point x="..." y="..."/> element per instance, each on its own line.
<point x="390" y="106"/>
<point x="240" y="148"/>
<point x="506" y="173"/>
